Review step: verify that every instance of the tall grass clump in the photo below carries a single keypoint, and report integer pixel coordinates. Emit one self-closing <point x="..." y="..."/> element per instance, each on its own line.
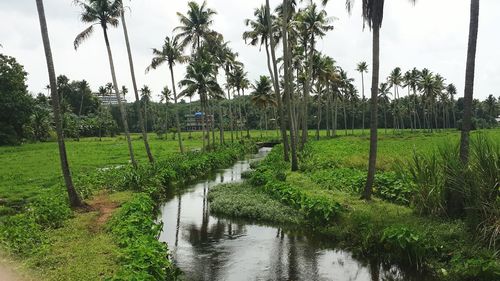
<point x="443" y="186"/>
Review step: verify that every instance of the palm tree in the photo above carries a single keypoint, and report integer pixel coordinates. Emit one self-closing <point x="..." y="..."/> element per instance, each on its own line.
<point x="287" y="81"/>
<point x="456" y="198"/>
<point x="195" y="26"/>
<point x="74" y="199"/>
<point x="134" y="86"/>
<point x="171" y="53"/>
<point x="313" y="24"/>
<point x="384" y="93"/>
<point x="166" y="95"/>
<point x="362" y="68"/>
<point x="200" y="78"/>
<point x="395" y="80"/>
<point x="277" y="93"/>
<point x="262" y="96"/>
<point x="373" y="13"/>
<point x="452" y="91"/>
<point x="105" y="13"/>
<point x="146" y="98"/>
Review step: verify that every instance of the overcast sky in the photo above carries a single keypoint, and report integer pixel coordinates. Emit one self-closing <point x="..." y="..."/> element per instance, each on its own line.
<point x="432" y="34"/>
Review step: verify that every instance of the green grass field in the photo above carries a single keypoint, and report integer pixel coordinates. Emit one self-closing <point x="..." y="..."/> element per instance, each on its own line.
<point x="30" y="169"/>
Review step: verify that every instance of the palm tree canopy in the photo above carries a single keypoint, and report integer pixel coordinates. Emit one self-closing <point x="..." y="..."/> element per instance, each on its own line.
<point x="262" y="95"/>
<point x="195" y="25"/>
<point x="171" y="53"/>
<point x="200" y="78"/>
<point x="372" y="11"/>
<point x="97" y="12"/>
<point x="362" y="67"/>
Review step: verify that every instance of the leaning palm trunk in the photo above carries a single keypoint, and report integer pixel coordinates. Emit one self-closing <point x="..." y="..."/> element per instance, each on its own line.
<point x="134" y="84"/>
<point x="117" y="93"/>
<point x="367" y="193"/>
<point x="74" y="199"/>
<point x="281" y="107"/>
<point x="176" y="110"/>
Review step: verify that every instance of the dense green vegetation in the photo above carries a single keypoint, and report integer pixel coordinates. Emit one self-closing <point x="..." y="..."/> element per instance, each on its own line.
<point x="394" y="227"/>
<point x="33" y="227"/>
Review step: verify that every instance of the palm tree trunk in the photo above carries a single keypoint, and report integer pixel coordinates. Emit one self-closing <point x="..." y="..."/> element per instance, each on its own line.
<point x="221" y="123"/>
<point x="134" y="84"/>
<point x="281" y="108"/>
<point x="117" y="93"/>
<point x="374" y="116"/>
<point x="74" y="199"/>
<point x="176" y="110"/>
<point x="307" y="89"/>
<point x="319" y="117"/>
<point x="469" y="81"/>
<point x="335" y="121"/>
<point x="363" y="108"/>
<point x="231" y="117"/>
<point x="345" y="114"/>
<point x="288" y="80"/>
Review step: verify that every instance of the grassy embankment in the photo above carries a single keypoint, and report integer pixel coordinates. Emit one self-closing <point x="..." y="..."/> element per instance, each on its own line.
<point x="326" y="193"/>
<point x="53" y="243"/>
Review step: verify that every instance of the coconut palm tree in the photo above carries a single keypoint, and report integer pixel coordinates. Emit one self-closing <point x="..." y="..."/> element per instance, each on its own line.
<point x="145" y="98"/>
<point x="262" y="96"/>
<point x="195" y="25"/>
<point x="287" y="67"/>
<point x="395" y="80"/>
<point x="166" y="95"/>
<point x="313" y="23"/>
<point x="105" y="13"/>
<point x="452" y="91"/>
<point x="384" y="93"/>
<point x="274" y="75"/>
<point x="170" y="53"/>
<point x="134" y="86"/>
<point x="362" y="68"/>
<point x="74" y="199"/>
<point x="373" y="14"/>
<point x="200" y="78"/>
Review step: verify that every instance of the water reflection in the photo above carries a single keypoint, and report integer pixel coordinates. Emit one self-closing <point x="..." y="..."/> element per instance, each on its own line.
<point x="205" y="247"/>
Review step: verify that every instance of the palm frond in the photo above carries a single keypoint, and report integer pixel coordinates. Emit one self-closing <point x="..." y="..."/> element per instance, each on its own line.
<point x="83" y="36"/>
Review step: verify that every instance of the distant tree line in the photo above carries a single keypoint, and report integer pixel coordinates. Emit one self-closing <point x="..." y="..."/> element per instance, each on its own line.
<point x="426" y="106"/>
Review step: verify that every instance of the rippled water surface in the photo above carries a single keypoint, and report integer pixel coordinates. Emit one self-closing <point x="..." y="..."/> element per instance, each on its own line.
<point x="205" y="247"/>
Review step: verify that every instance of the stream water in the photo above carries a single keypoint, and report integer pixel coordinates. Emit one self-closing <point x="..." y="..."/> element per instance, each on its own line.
<point x="206" y="247"/>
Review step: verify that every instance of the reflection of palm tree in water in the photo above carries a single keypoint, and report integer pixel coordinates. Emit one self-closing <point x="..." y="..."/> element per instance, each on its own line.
<point x="179" y="197"/>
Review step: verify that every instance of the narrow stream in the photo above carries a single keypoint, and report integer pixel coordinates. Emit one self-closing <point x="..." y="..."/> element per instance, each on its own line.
<point x="205" y="247"/>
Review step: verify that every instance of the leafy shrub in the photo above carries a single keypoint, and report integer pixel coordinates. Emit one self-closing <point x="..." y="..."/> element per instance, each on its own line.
<point x="21" y="234"/>
<point x="50" y="210"/>
<point x="143" y="257"/>
<point x="402" y="241"/>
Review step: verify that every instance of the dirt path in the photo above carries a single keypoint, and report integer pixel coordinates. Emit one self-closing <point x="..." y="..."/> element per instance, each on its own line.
<point x="8" y="271"/>
<point x="105" y="208"/>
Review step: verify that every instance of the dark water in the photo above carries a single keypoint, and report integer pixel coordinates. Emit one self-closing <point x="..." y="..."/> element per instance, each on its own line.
<point x="205" y="247"/>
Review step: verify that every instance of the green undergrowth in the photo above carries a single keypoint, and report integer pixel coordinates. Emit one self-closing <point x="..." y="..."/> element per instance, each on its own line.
<point x="243" y="201"/>
<point x="141" y="255"/>
<point x="65" y="245"/>
<point x="328" y="197"/>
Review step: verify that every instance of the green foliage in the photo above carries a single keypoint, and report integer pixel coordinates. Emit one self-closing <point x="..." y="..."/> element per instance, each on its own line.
<point x="50" y="210"/>
<point x="143" y="257"/>
<point x="437" y="175"/>
<point x="403" y="241"/>
<point x="248" y="202"/>
<point x="21" y="234"/>
<point x="15" y="101"/>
